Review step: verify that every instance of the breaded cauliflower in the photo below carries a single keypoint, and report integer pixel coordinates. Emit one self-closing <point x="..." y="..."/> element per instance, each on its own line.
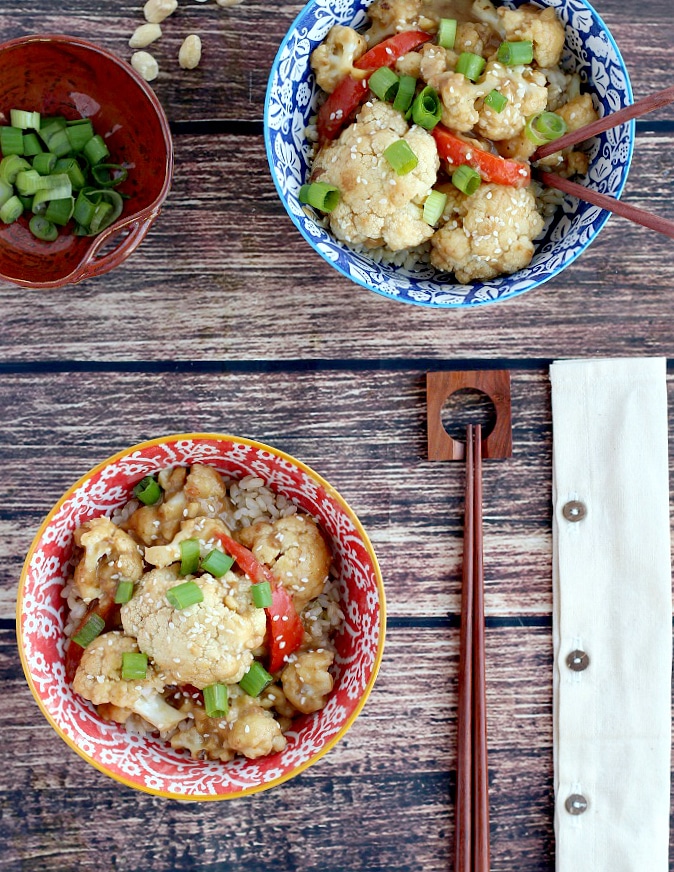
<point x="476" y="38"/>
<point x="526" y="92"/>
<point x="392" y="16"/>
<point x="541" y="26"/>
<point x="296" y="552"/>
<point x="203" y="529"/>
<point x="307" y="680"/>
<point x="577" y="113"/>
<point x="333" y="59"/>
<point x="377" y="206"/>
<point x="160" y="522"/>
<point x="202" y="644"/>
<point x="99" y="679"/>
<point x="110" y="556"/>
<point x="255" y="732"/>
<point x="486" y="234"/>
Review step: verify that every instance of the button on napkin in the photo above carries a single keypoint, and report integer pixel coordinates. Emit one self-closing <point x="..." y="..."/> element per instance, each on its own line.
<point x="612" y="615"/>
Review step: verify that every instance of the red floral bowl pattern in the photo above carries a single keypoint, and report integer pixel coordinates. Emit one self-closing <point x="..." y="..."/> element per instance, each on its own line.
<point x="147" y="763"/>
<point x="61" y="75"/>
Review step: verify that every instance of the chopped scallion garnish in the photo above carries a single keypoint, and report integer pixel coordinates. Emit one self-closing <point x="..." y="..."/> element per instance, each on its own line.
<point x="217" y="563"/>
<point x="320" y="195"/>
<point x="427" y="108"/>
<point x="545" y="127"/>
<point x="92" y="628"/>
<point x="11" y="210"/>
<point x="447" y="32"/>
<point x="261" y="594"/>
<point x="11" y="140"/>
<point x="384" y="83"/>
<point x="405" y="94"/>
<point x="255" y="680"/>
<point x="434" y="206"/>
<point x="496" y="100"/>
<point x="189" y="556"/>
<point x="24" y="120"/>
<point x="148" y="490"/>
<point x="134" y="666"/>
<point x="515" y="53"/>
<point x="124" y="591"/>
<point x="401" y="157"/>
<point x="216" y="700"/>
<point x="43" y="229"/>
<point x="470" y="65"/>
<point x="184" y="595"/>
<point x="466" y="179"/>
<point x="96" y="151"/>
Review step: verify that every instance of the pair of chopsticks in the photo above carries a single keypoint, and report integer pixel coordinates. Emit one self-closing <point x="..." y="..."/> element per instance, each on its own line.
<point x="603" y="201"/>
<point x="472" y="779"/>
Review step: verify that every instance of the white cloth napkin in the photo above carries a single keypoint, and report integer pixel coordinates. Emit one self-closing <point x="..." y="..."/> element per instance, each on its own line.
<point x="612" y="600"/>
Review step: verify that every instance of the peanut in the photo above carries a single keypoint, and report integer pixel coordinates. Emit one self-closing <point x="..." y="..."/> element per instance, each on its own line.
<point x="190" y="52"/>
<point x="144" y="35"/>
<point x="156" y="11"/>
<point x="144" y="64"/>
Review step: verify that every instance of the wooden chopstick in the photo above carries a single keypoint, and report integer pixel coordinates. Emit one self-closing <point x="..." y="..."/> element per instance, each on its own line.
<point x="632" y="213"/>
<point x="472" y="852"/>
<point x="613" y="119"/>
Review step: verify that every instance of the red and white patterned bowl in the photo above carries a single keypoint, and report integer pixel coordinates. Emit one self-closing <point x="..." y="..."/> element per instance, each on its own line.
<point x="147" y="763"/>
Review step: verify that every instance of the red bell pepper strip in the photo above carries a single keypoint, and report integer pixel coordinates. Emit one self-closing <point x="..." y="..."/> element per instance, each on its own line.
<point x="350" y="93"/>
<point x="284" y="626"/>
<point x="492" y="167"/>
<point x="105" y="609"/>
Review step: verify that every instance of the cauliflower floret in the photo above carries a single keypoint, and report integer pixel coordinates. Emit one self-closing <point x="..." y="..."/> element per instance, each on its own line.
<point x="372" y="194"/>
<point x="527" y="95"/>
<point x="256" y="733"/>
<point x="99" y="679"/>
<point x="110" y="555"/>
<point x="206" y="492"/>
<point x="488" y="233"/>
<point x="577" y="113"/>
<point x="160" y="522"/>
<point x="201" y="528"/>
<point x="485" y="11"/>
<point x="307" y="680"/>
<point x="541" y="26"/>
<point x="476" y="38"/>
<point x="459" y="97"/>
<point x="295" y="550"/>
<point x="434" y="60"/>
<point x="202" y="644"/>
<point x="392" y="16"/>
<point x="335" y="56"/>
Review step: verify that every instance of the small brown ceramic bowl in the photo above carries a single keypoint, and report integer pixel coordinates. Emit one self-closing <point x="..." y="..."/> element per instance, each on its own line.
<point x="62" y="75"/>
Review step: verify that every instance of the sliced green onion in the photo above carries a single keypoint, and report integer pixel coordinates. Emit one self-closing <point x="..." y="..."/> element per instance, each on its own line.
<point x="189" y="556"/>
<point x="217" y="563"/>
<point x="72" y="169"/>
<point x="515" y="53"/>
<point x="60" y="211"/>
<point x="44" y="163"/>
<point x="109" y="175"/>
<point x="470" y="65"/>
<point x="401" y="157"/>
<point x="31" y="144"/>
<point x="447" y="32"/>
<point x="43" y="229"/>
<point x="183" y="595"/>
<point x="83" y="214"/>
<point x="466" y="179"/>
<point x="216" y="700"/>
<point x="92" y="628"/>
<point x="6" y="191"/>
<point x="320" y="195"/>
<point x="51" y="125"/>
<point x="434" y="206"/>
<point x="96" y="150"/>
<point x="384" y="83"/>
<point x="427" y="108"/>
<point x="24" y="120"/>
<point x="11" y="166"/>
<point x="59" y="143"/>
<point x="11" y="210"/>
<point x="124" y="591"/>
<point x="261" y="594"/>
<point x="544" y="127"/>
<point x="407" y="85"/>
<point x="29" y="182"/>
<point x="255" y="680"/>
<point x="496" y="100"/>
<point x="11" y="140"/>
<point x="79" y="134"/>
<point x="148" y="490"/>
<point x="134" y="666"/>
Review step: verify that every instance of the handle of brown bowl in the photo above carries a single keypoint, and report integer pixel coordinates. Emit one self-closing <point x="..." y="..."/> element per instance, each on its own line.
<point x="96" y="266"/>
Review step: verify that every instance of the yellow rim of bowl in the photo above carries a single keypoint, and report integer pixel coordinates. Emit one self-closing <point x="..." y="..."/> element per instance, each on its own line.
<point x="331" y="491"/>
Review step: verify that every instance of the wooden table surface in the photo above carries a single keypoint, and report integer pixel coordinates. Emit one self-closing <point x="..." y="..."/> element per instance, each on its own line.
<point x="224" y="320"/>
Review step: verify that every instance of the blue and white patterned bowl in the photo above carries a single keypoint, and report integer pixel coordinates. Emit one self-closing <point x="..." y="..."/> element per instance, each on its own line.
<point x="291" y="101"/>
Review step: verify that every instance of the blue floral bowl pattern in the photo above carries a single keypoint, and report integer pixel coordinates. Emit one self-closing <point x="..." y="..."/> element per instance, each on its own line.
<point x="292" y="99"/>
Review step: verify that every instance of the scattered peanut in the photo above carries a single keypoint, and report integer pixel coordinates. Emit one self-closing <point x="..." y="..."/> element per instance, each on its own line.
<point x="156" y="11"/>
<point x="144" y="35"/>
<point x="190" y="52"/>
<point x="144" y="64"/>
